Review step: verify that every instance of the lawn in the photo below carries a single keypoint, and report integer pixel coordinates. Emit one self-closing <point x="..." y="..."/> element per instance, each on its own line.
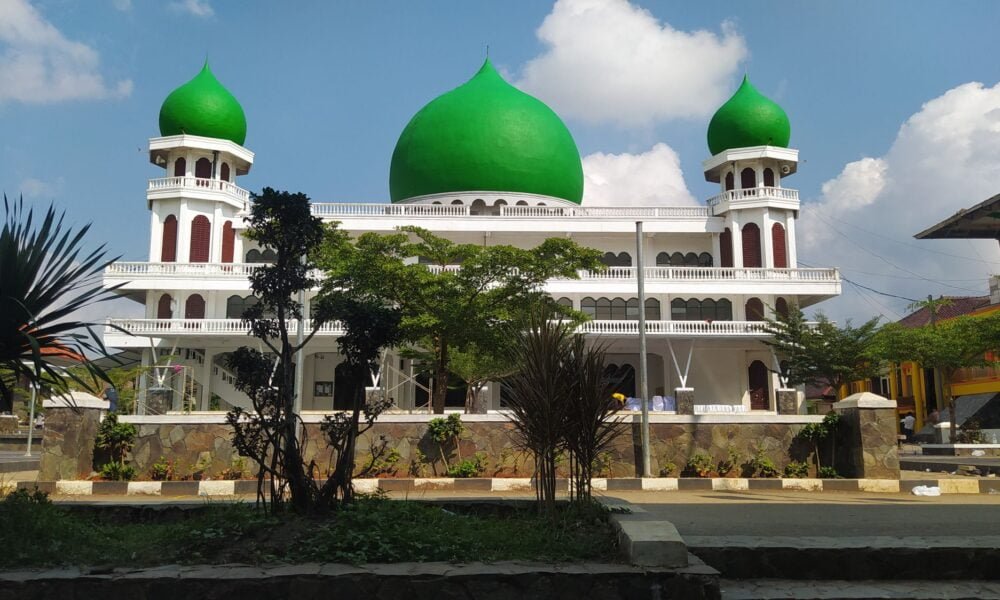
<point x="35" y="532"/>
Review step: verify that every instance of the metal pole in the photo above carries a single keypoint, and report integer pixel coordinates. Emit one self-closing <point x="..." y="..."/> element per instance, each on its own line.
<point x="300" y="366"/>
<point x="640" y="275"/>
<point x="31" y="418"/>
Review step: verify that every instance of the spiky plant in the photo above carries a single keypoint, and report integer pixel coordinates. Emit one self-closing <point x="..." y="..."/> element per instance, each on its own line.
<point x="46" y="276"/>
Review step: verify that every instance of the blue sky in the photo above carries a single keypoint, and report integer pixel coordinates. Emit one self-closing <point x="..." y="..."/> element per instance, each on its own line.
<point x="327" y="87"/>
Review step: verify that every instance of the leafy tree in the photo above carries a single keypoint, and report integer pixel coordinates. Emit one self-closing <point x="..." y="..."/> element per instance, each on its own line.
<point x="444" y="307"/>
<point x="46" y="276"/>
<point x="478" y="365"/>
<point x="962" y="342"/>
<point x="823" y="353"/>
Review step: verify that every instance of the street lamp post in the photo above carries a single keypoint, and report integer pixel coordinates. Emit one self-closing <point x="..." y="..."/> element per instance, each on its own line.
<point x="643" y="374"/>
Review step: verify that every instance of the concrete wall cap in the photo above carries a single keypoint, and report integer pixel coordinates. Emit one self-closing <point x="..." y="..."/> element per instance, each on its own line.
<point x="865" y="400"/>
<point x="77" y="399"/>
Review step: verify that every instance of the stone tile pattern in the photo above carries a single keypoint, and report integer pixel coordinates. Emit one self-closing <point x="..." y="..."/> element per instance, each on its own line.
<point x="187" y="446"/>
<point x="8" y="424"/>
<point x="68" y="444"/>
<point x="471" y="581"/>
<point x="867" y="443"/>
<point x="788" y="402"/>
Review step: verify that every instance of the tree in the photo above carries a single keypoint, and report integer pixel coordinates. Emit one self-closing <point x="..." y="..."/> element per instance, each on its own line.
<point x="450" y="295"/>
<point x="268" y="434"/>
<point x="478" y="365"/>
<point x="46" y="276"/>
<point x="962" y="342"/>
<point x="823" y="353"/>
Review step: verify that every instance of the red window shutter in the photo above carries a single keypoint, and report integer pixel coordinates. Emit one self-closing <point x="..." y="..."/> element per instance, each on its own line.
<point x="758" y="379"/>
<point x="726" y="247"/>
<point x="780" y="249"/>
<point x="163" y="310"/>
<point x="168" y="248"/>
<point x="180" y="167"/>
<point x="754" y="309"/>
<point x="781" y="307"/>
<point x="225" y="171"/>
<point x="201" y="236"/>
<point x="194" y="308"/>
<point x="228" y="241"/>
<point x="203" y="168"/>
<point x="751" y="245"/>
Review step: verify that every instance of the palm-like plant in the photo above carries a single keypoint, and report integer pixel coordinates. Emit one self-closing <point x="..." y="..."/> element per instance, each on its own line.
<point x="45" y="277"/>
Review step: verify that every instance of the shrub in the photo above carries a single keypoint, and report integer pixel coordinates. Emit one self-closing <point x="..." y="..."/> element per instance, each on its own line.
<point x="667" y="469"/>
<point x="162" y="470"/>
<point x="971" y="433"/>
<point x="828" y="473"/>
<point x="470" y="467"/>
<point x="114" y="471"/>
<point x="796" y="470"/>
<point x="761" y="465"/>
<point x="115" y="438"/>
<point x="444" y="431"/>
<point x="733" y="459"/>
<point x="700" y="464"/>
<point x="237" y="470"/>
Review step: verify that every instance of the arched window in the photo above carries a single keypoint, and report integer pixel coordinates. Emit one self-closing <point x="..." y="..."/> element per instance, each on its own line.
<point x="163" y="308"/>
<point x="678" y="309"/>
<point x="234" y="307"/>
<point x="225" y="172"/>
<point x="201" y="237"/>
<point x="677" y="259"/>
<point x="754" y="309"/>
<point x="694" y="309"/>
<point x="268" y="256"/>
<point x="751" y="246"/>
<point x="758" y="377"/>
<point x="565" y="302"/>
<point x="588" y="306"/>
<point x="724" y="310"/>
<point x="624" y="259"/>
<point x="748" y="179"/>
<point x="704" y="259"/>
<point x="726" y="247"/>
<point x="708" y="311"/>
<point x="168" y="246"/>
<point x="203" y="168"/>
<point x="768" y="177"/>
<point x="478" y="207"/>
<point x="522" y="202"/>
<point x="690" y="259"/>
<point x="180" y="167"/>
<point x="456" y="202"/>
<point x="730" y="181"/>
<point x="194" y="308"/>
<point x="228" y="242"/>
<point x="253" y="256"/>
<point x="663" y="259"/>
<point x="781" y="307"/>
<point x="603" y="309"/>
<point x="779" y="246"/>
<point x="618" y="309"/>
<point x="609" y="259"/>
<point x="632" y="309"/>
<point x="652" y="309"/>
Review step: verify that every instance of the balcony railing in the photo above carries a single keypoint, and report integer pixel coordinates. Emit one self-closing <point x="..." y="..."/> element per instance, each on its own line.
<point x="144" y="270"/>
<point x="172" y="327"/>
<point x="199" y="183"/>
<point x="755" y="194"/>
<point x="202" y="327"/>
<point x="531" y="212"/>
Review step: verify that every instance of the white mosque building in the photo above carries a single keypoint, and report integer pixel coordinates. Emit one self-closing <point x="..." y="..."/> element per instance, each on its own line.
<point x="485" y="163"/>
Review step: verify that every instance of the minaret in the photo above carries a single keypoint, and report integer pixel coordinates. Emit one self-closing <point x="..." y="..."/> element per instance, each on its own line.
<point x="195" y="205"/>
<point x="748" y="138"/>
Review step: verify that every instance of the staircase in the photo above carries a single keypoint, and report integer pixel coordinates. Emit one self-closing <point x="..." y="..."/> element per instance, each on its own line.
<point x="222" y="380"/>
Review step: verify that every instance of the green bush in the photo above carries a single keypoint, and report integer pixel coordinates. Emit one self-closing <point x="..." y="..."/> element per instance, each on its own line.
<point x="796" y="470"/>
<point x="470" y="467"/>
<point x="162" y="470"/>
<point x="761" y="465"/>
<point x="113" y="471"/>
<point x="828" y="473"/>
<point x="731" y="462"/>
<point x="700" y="464"/>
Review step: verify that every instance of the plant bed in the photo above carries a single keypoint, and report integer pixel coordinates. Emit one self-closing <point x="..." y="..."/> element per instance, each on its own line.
<point x="374" y="529"/>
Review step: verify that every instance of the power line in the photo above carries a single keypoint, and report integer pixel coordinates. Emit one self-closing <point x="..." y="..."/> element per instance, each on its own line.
<point x="865" y="286"/>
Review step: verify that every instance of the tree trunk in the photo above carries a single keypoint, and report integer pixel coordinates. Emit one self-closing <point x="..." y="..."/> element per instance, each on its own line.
<point x="6" y="399"/>
<point x="440" y="377"/>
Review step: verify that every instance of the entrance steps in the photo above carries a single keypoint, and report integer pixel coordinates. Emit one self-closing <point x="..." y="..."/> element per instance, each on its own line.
<point x="796" y="589"/>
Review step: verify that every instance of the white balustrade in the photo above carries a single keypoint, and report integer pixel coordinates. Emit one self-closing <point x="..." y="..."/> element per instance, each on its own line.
<point x="755" y="193"/>
<point x="679" y="328"/>
<point x="362" y="209"/>
<point x="199" y="183"/>
<point x="175" y="327"/>
<point x="133" y="270"/>
<point x="371" y="209"/>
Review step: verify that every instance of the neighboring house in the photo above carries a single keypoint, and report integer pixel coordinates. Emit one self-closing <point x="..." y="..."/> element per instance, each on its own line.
<point x="486" y="163"/>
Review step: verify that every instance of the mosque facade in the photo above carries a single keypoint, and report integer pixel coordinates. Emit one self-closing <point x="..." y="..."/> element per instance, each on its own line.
<point x="488" y="164"/>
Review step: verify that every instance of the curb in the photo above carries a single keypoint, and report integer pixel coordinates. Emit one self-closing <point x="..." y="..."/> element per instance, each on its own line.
<point x="225" y="488"/>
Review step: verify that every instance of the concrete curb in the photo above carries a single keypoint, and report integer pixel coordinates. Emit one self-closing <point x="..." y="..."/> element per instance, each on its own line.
<point x="223" y="488"/>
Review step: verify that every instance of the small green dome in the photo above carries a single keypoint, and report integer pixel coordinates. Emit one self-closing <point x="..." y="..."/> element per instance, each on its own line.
<point x="203" y="107"/>
<point x="486" y="135"/>
<point x="748" y="119"/>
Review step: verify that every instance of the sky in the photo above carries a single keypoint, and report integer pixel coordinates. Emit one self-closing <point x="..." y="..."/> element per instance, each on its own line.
<point x="894" y="106"/>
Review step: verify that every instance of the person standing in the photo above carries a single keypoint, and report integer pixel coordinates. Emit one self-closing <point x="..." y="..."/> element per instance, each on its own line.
<point x="909" y="422"/>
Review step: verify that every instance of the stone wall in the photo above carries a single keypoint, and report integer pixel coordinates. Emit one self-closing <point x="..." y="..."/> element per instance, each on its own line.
<point x="206" y="439"/>
<point x="68" y="444"/>
<point x="866" y="437"/>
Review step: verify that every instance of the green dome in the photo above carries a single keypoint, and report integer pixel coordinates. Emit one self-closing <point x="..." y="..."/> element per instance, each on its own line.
<point x="203" y="107"/>
<point x="748" y="119"/>
<point x="486" y="135"/>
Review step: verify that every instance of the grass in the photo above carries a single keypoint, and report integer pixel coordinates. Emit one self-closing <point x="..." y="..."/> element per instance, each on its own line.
<point x="34" y="532"/>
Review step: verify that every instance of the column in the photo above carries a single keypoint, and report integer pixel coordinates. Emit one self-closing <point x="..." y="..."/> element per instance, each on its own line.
<point x="766" y="243"/>
<point x="206" y="380"/>
<point x="735" y="225"/>
<point x="790" y="240"/>
<point x="70" y="432"/>
<point x="184" y="217"/>
<point x="866" y="437"/>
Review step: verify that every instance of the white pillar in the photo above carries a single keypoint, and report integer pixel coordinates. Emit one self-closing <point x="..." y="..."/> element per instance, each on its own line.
<point x="767" y="247"/>
<point x="793" y="262"/>
<point x="184" y="217"/>
<point x="735" y="228"/>
<point x="716" y="250"/>
<point x="206" y="380"/>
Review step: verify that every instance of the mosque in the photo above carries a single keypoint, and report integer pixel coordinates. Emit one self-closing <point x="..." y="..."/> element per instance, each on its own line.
<point x="488" y="164"/>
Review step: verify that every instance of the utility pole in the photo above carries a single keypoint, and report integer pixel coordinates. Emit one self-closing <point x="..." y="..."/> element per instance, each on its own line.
<point x="640" y="275"/>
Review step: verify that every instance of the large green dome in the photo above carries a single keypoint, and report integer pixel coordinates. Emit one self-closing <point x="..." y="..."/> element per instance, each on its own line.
<point x="748" y="119"/>
<point x="203" y="107"/>
<point x="486" y="135"/>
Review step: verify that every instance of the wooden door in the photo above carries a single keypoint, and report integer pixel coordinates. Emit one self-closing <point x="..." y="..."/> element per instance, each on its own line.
<point x="759" y="389"/>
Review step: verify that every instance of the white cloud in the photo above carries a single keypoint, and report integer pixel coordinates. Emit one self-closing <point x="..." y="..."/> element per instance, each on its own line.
<point x="198" y="8"/>
<point x="38" y="64"/>
<point x="122" y="5"/>
<point x="945" y="157"/>
<point x="43" y="190"/>
<point x="648" y="179"/>
<point x="610" y="61"/>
